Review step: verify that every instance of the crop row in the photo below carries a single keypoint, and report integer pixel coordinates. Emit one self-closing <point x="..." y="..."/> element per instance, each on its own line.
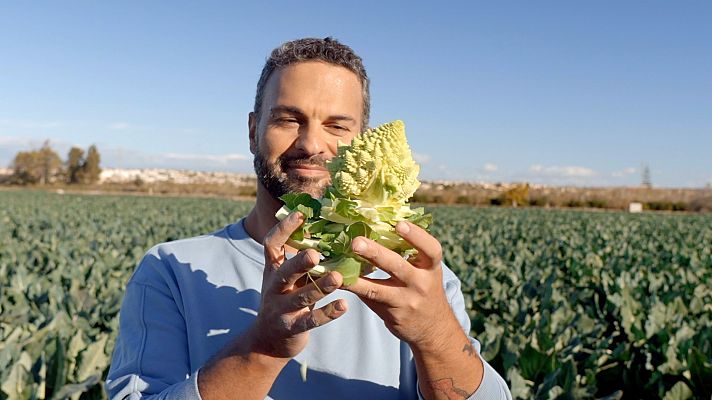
<point x="566" y="304"/>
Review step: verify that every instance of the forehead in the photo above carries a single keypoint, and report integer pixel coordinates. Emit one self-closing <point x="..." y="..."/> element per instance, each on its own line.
<point x="315" y="86"/>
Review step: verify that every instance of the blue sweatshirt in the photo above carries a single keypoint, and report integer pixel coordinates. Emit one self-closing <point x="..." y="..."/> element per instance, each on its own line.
<point x="190" y="298"/>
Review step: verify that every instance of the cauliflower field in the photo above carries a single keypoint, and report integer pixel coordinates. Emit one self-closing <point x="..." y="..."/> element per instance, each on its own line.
<point x="567" y="304"/>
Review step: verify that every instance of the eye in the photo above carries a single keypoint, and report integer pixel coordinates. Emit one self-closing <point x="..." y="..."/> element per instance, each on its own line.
<point x="286" y="121"/>
<point x="340" y="129"/>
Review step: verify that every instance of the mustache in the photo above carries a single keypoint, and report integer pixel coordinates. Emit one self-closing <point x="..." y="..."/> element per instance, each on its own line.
<point x="298" y="161"/>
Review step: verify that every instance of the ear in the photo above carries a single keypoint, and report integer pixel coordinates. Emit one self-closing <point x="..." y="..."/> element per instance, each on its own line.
<point x="252" y="127"/>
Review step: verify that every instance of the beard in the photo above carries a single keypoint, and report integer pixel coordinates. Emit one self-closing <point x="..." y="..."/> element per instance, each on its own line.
<point x="278" y="180"/>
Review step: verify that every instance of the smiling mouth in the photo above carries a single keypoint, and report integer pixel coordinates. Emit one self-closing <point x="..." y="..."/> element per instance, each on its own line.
<point x="306" y="167"/>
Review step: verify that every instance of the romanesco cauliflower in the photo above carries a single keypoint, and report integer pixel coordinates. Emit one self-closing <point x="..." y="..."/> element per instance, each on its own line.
<point x="371" y="182"/>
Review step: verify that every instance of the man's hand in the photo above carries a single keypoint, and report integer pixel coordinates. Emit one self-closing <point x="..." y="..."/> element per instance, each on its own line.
<point x="250" y="365"/>
<point x="414" y="307"/>
<point x="287" y="310"/>
<point x="412" y="302"/>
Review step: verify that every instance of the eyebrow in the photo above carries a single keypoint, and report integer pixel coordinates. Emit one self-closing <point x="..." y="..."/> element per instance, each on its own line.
<point x="297" y="111"/>
<point x="286" y="109"/>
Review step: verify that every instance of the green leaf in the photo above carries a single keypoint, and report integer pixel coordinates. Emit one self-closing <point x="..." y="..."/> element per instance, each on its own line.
<point x="57" y="372"/>
<point x="303" y="203"/>
<point x="700" y="371"/>
<point x="535" y="364"/>
<point x="307" y="211"/>
<point x="94" y="359"/>
<point x="74" y="389"/>
<point x="348" y="267"/>
<point x="317" y="226"/>
<point x="518" y="386"/>
<point x="42" y="377"/>
<point x="679" y="391"/>
<point x="76" y="345"/>
<point x="420" y="219"/>
<point x="341" y="243"/>
<point x="16" y="383"/>
<point x="358" y="229"/>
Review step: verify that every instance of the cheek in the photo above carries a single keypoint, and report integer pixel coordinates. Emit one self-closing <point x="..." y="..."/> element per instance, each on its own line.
<point x="273" y="145"/>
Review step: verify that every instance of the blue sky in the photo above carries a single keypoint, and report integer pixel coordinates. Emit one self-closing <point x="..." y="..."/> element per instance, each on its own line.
<point x="554" y="92"/>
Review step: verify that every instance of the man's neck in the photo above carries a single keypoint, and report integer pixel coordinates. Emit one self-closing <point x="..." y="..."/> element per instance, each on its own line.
<point x="261" y="218"/>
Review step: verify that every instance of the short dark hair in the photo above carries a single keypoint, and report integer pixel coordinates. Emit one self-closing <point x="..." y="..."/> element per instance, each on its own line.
<point x="328" y="50"/>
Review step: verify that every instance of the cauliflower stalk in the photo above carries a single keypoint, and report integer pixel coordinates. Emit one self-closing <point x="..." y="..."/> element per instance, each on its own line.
<point x="371" y="182"/>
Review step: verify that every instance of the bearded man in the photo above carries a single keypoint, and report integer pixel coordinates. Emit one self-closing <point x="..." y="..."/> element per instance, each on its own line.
<point x="226" y="315"/>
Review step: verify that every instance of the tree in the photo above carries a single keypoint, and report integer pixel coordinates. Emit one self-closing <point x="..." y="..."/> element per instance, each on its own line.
<point x="517" y="195"/>
<point x="24" y="168"/>
<point x="90" y="168"/>
<point x="75" y="160"/>
<point x="50" y="162"/>
<point x="37" y="166"/>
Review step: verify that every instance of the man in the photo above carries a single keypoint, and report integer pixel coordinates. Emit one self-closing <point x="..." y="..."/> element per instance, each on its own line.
<point x="226" y="315"/>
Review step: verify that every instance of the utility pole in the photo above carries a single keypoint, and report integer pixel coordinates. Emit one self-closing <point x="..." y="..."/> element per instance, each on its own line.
<point x="646" y="182"/>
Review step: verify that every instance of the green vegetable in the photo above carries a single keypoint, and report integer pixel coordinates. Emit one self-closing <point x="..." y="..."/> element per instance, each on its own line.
<point x="371" y="182"/>
<point x="570" y="284"/>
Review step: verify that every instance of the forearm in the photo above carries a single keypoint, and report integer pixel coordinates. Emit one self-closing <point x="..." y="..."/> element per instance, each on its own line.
<point x="448" y="366"/>
<point x="238" y="369"/>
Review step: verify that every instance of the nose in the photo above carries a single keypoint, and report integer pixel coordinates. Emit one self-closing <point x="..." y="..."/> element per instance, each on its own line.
<point x="310" y="139"/>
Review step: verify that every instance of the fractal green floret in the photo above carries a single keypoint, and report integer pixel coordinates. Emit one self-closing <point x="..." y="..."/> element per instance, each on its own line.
<point x="371" y="182"/>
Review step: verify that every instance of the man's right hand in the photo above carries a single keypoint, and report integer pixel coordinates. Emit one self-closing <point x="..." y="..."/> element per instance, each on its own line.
<point x="251" y="364"/>
<point x="287" y="310"/>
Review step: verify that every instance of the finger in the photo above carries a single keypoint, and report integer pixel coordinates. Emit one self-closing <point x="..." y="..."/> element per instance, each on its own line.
<point x="307" y="295"/>
<point x="291" y="270"/>
<point x="383" y="258"/>
<point x="321" y="316"/>
<point x="373" y="290"/>
<point x="430" y="252"/>
<point x="276" y="238"/>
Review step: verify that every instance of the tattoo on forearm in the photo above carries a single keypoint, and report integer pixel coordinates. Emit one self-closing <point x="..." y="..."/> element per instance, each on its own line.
<point x="469" y="349"/>
<point x="447" y="387"/>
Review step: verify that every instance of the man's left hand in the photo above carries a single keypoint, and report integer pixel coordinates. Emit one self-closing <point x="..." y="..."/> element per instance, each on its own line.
<point x="412" y="302"/>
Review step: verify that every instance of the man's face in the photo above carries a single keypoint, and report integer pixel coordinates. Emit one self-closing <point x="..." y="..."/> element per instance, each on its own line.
<point x="307" y="109"/>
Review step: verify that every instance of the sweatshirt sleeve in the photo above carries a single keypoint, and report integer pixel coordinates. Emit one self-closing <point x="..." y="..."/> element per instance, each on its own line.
<point x="492" y="387"/>
<point x="150" y="359"/>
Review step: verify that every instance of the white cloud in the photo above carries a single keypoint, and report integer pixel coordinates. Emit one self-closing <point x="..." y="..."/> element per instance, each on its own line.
<point x="12" y="141"/>
<point x="213" y="158"/>
<point x="421" y="158"/>
<point x="123" y="126"/>
<point x="489" y="167"/>
<point x="624" y="172"/>
<point x="125" y="158"/>
<point x="562" y="171"/>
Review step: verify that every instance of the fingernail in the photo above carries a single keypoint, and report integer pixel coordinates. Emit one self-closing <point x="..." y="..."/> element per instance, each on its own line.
<point x="359" y="246"/>
<point x="297" y="216"/>
<point x="311" y="257"/>
<point x="330" y="282"/>
<point x="403" y="228"/>
<point x="339" y="306"/>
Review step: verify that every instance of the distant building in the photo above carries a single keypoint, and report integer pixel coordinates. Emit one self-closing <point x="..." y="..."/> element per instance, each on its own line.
<point x="635" y="207"/>
<point x="154" y="175"/>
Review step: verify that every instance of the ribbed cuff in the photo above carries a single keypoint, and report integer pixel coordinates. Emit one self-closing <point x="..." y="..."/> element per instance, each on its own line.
<point x="492" y="385"/>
